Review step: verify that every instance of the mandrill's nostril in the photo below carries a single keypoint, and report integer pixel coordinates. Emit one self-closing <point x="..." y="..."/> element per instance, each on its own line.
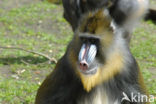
<point x="83" y="65"/>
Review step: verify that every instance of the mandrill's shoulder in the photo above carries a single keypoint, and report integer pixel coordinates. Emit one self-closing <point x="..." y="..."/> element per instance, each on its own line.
<point x="59" y="85"/>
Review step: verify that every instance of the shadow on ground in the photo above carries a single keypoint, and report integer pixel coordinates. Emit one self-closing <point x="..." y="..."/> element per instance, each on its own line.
<point x="22" y="60"/>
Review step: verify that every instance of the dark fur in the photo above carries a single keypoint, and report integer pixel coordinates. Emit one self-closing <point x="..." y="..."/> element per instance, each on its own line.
<point x="151" y="15"/>
<point x="73" y="11"/>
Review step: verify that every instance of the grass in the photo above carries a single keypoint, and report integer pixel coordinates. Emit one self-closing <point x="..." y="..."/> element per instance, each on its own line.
<point x="39" y="26"/>
<point x="143" y="48"/>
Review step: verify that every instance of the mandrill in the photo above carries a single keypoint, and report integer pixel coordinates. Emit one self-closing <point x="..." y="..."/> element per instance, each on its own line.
<point x="97" y="67"/>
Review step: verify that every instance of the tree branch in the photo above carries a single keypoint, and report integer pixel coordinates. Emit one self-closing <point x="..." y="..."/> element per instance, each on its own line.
<point x="29" y="51"/>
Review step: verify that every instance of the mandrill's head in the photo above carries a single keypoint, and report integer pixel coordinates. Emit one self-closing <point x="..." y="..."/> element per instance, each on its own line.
<point x="97" y="50"/>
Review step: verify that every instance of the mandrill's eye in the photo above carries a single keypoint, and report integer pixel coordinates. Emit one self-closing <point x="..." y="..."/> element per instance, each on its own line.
<point x="87" y="55"/>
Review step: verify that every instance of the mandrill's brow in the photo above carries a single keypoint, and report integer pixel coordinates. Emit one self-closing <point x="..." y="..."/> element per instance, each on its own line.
<point x="89" y="37"/>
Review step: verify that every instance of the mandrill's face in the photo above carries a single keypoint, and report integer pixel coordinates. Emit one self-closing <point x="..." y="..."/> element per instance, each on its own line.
<point x="87" y="58"/>
<point x="96" y="59"/>
<point x="95" y="36"/>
